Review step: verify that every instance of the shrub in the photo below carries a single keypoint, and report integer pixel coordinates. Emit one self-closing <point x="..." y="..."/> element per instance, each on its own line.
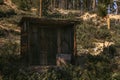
<point x="84" y="35"/>
<point x="115" y="35"/>
<point x="10" y="48"/>
<point x="25" y="5"/>
<point x="102" y="34"/>
<point x="6" y="12"/>
<point x="8" y="55"/>
<point x="9" y="59"/>
<point x="3" y="33"/>
<point x="116" y="76"/>
<point x="96" y="68"/>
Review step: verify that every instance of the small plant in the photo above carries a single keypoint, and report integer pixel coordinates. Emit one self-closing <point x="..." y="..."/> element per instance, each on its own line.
<point x="102" y="34"/>
<point x="3" y="33"/>
<point x="6" y="11"/>
<point x="25" y="5"/>
<point x="84" y="35"/>
<point x="10" y="48"/>
<point x="102" y="10"/>
<point x="116" y="76"/>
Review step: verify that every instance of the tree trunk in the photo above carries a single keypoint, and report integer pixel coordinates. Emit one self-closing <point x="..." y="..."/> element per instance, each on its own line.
<point x="108" y="22"/>
<point x="94" y="5"/>
<point x="40" y="8"/>
<point x="51" y="3"/>
<point x="54" y="4"/>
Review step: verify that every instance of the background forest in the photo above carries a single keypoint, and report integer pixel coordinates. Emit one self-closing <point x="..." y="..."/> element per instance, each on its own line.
<point x="83" y="5"/>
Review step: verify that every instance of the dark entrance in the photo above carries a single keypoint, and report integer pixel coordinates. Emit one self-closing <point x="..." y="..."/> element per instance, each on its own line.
<point x="46" y="43"/>
<point x="43" y="46"/>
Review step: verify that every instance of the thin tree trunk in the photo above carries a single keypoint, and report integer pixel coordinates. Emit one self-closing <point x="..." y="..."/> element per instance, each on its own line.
<point x="108" y="22"/>
<point x="65" y="4"/>
<point x="54" y="4"/>
<point x="94" y="5"/>
<point x="40" y="8"/>
<point x="51" y="3"/>
<point x="73" y="4"/>
<point x="59" y="3"/>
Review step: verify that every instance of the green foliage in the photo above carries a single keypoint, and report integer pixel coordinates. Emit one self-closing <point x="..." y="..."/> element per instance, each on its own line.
<point x="1" y="1"/>
<point x="84" y="35"/>
<point x="6" y="13"/>
<point x="45" y="7"/>
<point x="106" y="2"/>
<point x="9" y="59"/>
<point x="99" y="67"/>
<point x="9" y="48"/>
<point x="102" y="7"/>
<point x="28" y="3"/>
<point x="102" y="10"/>
<point x="25" y="5"/>
<point x="3" y="33"/>
<point x="117" y="42"/>
<point x="116" y="76"/>
<point x="115" y="35"/>
<point x="65" y="73"/>
<point x="8" y="64"/>
<point x="102" y="34"/>
<point x="54" y="15"/>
